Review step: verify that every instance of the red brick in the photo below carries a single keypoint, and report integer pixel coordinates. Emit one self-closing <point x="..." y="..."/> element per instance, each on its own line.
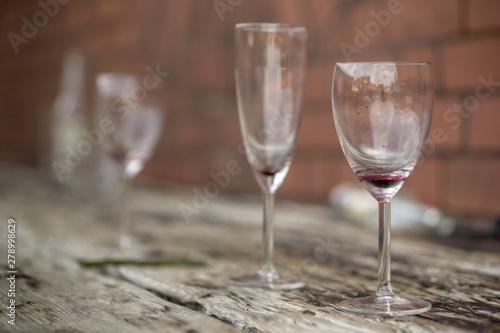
<point x="209" y="69"/>
<point x="116" y="39"/>
<point x="444" y="134"/>
<point x="303" y="179"/>
<point x="232" y="133"/>
<point x="178" y="15"/>
<point x="13" y="12"/>
<point x="76" y="15"/>
<point x="225" y="132"/>
<point x="312" y="179"/>
<point x="185" y="135"/>
<point x="339" y="171"/>
<point x="372" y="54"/>
<point x="287" y="11"/>
<point x="317" y="129"/>
<point x="426" y="53"/>
<point x="426" y="182"/>
<point x="216" y="159"/>
<point x="474" y="187"/>
<point x="357" y="17"/>
<point x="177" y="168"/>
<point x="12" y="15"/>
<point x="425" y="18"/>
<point x="484" y="14"/>
<point x="183" y="132"/>
<point x="172" y="28"/>
<point x="465" y="61"/>
<point x="318" y="85"/>
<point x="245" y="181"/>
<point x="485" y="120"/>
<point x="322" y="22"/>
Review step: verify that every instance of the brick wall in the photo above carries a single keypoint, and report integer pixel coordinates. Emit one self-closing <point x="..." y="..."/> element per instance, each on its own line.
<point x="193" y="41"/>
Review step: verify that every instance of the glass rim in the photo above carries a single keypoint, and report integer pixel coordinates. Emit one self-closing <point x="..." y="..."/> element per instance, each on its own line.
<point x="384" y="63"/>
<point x="270" y="26"/>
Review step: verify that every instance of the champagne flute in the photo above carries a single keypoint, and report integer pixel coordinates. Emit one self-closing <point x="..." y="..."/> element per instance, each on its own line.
<point x="270" y="72"/>
<point x="134" y="116"/>
<point x="382" y="113"/>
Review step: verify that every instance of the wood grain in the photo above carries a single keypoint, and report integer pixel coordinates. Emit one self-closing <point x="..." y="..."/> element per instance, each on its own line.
<point x="337" y="259"/>
<point x="54" y="294"/>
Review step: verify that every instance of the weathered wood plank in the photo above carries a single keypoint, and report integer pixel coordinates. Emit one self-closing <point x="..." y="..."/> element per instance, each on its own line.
<point x="337" y="259"/>
<point x="54" y="294"/>
<point x="329" y="283"/>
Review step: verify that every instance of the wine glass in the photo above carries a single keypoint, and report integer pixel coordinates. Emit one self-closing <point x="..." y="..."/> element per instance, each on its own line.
<point x="270" y="72"/>
<point x="133" y="117"/>
<point x="382" y="113"/>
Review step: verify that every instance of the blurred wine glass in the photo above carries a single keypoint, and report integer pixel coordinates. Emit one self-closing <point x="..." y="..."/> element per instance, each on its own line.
<point x="132" y="118"/>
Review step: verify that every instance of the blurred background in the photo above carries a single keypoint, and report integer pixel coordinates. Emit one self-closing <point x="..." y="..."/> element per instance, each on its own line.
<point x="193" y="41"/>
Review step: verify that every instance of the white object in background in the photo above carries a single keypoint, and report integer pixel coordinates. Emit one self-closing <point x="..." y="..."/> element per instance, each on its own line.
<point x="355" y="204"/>
<point x="68" y="120"/>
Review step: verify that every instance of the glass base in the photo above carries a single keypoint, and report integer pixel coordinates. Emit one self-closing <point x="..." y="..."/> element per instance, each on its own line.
<point x="385" y="305"/>
<point x="269" y="281"/>
<point x="127" y="243"/>
<point x="124" y="245"/>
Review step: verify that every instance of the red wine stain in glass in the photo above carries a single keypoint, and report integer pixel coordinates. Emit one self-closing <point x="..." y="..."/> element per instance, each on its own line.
<point x="269" y="171"/>
<point x="383" y="181"/>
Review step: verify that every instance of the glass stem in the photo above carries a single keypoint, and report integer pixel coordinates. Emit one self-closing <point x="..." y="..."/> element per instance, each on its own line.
<point x="267" y="269"/>
<point x="125" y="217"/>
<point x="384" y="249"/>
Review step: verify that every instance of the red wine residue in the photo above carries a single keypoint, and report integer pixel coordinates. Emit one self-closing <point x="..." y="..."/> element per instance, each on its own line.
<point x="269" y="171"/>
<point x="382" y="181"/>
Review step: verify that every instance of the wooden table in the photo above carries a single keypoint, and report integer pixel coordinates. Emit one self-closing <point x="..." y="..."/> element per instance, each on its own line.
<point x="70" y="280"/>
